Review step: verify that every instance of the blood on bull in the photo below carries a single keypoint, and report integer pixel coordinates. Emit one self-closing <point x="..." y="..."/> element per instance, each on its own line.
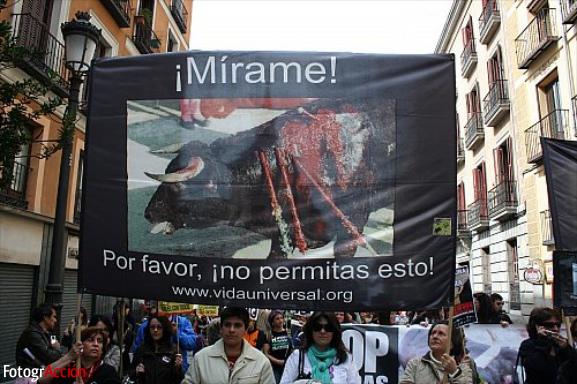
<point x="338" y="164"/>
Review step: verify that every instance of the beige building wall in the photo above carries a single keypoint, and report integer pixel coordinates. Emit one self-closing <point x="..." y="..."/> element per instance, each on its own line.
<point x="525" y="88"/>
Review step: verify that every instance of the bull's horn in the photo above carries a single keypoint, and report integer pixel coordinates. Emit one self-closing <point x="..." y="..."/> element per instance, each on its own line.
<point x="195" y="166"/>
<point x="172" y="148"/>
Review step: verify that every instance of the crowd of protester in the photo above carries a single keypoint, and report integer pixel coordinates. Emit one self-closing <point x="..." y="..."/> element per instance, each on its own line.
<point x="260" y="347"/>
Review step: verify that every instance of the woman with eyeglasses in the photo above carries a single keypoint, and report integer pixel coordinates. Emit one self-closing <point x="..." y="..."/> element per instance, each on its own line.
<point x="545" y="349"/>
<point x="323" y="357"/>
<point x="156" y="361"/>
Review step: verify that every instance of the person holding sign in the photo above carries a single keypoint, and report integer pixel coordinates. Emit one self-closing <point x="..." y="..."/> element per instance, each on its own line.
<point x="324" y="357"/>
<point x="545" y="350"/>
<point x="437" y="365"/>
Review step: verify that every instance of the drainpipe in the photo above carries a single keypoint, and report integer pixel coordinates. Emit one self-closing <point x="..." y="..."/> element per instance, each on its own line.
<point x="570" y="69"/>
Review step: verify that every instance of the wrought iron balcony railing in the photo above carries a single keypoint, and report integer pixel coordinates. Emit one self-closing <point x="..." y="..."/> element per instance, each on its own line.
<point x="536" y="37"/>
<point x="569" y="11"/>
<point x="489" y="22"/>
<point x="496" y="103"/>
<point x="462" y="227"/>
<point x="468" y="58"/>
<point x="119" y="10"/>
<point x="474" y="131"/>
<point x="503" y="200"/>
<point x="144" y="37"/>
<point x="15" y="193"/>
<point x="180" y="14"/>
<point x="547" y="228"/>
<point x="477" y="215"/>
<point x="460" y="151"/>
<point x="45" y="60"/>
<point x="554" y="125"/>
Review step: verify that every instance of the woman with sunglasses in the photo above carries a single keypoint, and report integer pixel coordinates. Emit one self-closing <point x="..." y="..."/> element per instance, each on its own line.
<point x="156" y="360"/>
<point x="545" y="349"/>
<point x="323" y="357"/>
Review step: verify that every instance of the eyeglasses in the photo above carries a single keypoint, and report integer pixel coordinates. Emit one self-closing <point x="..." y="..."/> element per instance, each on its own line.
<point x="327" y="327"/>
<point x="551" y="324"/>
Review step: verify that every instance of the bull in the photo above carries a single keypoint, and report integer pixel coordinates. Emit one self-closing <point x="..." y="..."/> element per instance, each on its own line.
<point x="344" y="149"/>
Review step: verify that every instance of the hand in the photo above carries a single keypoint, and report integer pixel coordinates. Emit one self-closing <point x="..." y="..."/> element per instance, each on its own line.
<point x="75" y="351"/>
<point x="55" y="344"/>
<point x="140" y="368"/>
<point x="504" y="324"/>
<point x="449" y="363"/>
<point x="541" y="330"/>
<point x="178" y="360"/>
<point x="560" y="340"/>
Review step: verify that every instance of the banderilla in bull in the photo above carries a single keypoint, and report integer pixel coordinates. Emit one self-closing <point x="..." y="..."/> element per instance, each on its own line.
<point x="349" y="226"/>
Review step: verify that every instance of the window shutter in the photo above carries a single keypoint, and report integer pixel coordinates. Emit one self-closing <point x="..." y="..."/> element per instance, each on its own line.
<point x="498" y="162"/>
<point x="461" y="197"/>
<point x="509" y="159"/>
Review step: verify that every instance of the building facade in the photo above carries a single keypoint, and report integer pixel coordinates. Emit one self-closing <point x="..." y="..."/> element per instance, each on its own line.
<point x="515" y="75"/>
<point x="27" y="206"/>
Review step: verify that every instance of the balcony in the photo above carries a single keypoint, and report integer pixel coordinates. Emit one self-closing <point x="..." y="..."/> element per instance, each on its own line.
<point x="462" y="227"/>
<point x="569" y="11"/>
<point x="554" y="125"/>
<point x="496" y="103"/>
<point x="503" y="200"/>
<point x="15" y="193"/>
<point x="460" y="152"/>
<point x="489" y="22"/>
<point x="536" y="37"/>
<point x="144" y="37"/>
<point x="468" y="58"/>
<point x="474" y="132"/>
<point x="119" y="10"/>
<point x="180" y="14"/>
<point x="45" y="60"/>
<point x="547" y="228"/>
<point x="477" y="216"/>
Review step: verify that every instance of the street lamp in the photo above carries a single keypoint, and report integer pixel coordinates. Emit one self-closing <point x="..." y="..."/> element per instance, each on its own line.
<point x="80" y="41"/>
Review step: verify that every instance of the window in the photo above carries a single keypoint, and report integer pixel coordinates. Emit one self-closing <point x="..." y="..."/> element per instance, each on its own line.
<point x="495" y="68"/>
<point x="503" y="161"/>
<point x="513" y="272"/>
<point x="172" y="43"/>
<point x="473" y="101"/>
<point x="468" y="33"/>
<point x="15" y="193"/>
<point x="480" y="183"/>
<point x="486" y="264"/>
<point x="549" y="95"/>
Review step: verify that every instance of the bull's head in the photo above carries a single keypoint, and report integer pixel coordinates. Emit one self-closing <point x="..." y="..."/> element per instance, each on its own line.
<point x="194" y="191"/>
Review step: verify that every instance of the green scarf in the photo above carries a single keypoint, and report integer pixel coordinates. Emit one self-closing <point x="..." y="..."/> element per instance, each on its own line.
<point x="321" y="361"/>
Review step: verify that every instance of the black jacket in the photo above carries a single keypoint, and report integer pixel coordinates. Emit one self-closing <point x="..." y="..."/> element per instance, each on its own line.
<point x="540" y="366"/>
<point x="38" y="343"/>
<point x="159" y="367"/>
<point x="568" y="372"/>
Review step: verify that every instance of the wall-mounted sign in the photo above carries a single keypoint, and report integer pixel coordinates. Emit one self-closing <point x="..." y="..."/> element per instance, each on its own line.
<point x="533" y="274"/>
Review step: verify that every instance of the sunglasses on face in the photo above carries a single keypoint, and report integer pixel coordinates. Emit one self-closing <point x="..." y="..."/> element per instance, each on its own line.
<point x="327" y="327"/>
<point x="551" y="324"/>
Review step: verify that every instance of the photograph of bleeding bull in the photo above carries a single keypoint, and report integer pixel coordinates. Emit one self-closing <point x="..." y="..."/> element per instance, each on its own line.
<point x="316" y="176"/>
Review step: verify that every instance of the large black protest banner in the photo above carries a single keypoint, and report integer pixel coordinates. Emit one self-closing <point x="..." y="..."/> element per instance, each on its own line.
<point x="565" y="283"/>
<point x="560" y="161"/>
<point x="319" y="180"/>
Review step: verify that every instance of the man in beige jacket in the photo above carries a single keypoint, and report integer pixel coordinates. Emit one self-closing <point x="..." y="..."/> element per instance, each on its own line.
<point x="231" y="359"/>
